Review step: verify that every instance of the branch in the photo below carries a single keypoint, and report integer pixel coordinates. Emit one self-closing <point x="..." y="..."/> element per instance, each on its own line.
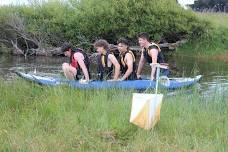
<point x="18" y="50"/>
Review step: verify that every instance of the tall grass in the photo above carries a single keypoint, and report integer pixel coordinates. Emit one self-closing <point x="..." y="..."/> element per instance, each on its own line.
<point x="35" y="118"/>
<point x="217" y="19"/>
<point x="214" y="41"/>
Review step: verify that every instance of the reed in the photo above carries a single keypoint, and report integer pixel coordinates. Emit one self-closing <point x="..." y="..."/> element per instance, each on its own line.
<point x="35" y="118"/>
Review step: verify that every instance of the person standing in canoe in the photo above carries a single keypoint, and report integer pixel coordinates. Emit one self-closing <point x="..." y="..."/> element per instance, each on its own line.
<point x="127" y="60"/>
<point x="78" y="62"/>
<point x="106" y="61"/>
<point x="151" y="53"/>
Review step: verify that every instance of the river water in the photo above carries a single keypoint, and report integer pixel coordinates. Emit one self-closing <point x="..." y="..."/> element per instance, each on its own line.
<point x="215" y="73"/>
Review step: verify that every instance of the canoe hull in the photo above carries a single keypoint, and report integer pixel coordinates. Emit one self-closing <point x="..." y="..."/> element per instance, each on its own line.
<point x="131" y="84"/>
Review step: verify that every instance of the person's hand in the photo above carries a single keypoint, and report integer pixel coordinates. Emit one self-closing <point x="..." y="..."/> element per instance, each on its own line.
<point x="152" y="78"/>
<point x="120" y="79"/>
<point x="139" y="76"/>
<point x="154" y="65"/>
<point x="83" y="81"/>
<point x="112" y="80"/>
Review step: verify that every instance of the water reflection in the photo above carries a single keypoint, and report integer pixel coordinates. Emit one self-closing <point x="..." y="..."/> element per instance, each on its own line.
<point x="9" y="64"/>
<point x="215" y="73"/>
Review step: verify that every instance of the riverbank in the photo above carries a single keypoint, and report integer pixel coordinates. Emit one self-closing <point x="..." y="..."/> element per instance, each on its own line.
<point x="222" y="57"/>
<point x="214" y="43"/>
<point x="36" y="118"/>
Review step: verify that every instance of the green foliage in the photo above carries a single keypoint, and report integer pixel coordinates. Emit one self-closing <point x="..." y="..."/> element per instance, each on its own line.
<point x="213" y="39"/>
<point x="48" y="22"/>
<point x="112" y="19"/>
<point x="84" y="21"/>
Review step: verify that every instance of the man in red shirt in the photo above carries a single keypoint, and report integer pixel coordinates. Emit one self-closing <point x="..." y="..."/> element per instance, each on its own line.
<point x="78" y="62"/>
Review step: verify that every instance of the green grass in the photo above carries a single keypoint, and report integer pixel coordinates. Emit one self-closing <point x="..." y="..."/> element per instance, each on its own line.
<point x="214" y="41"/>
<point x="217" y="19"/>
<point x="35" y="118"/>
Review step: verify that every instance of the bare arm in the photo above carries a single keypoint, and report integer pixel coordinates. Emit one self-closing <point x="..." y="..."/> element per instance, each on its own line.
<point x="80" y="58"/>
<point x="129" y="61"/>
<point x="140" y="66"/>
<point x="154" y="55"/>
<point x="116" y="64"/>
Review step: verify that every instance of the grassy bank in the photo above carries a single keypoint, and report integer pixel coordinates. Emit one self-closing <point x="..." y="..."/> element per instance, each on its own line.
<point x="214" y="42"/>
<point x="217" y="19"/>
<point x="35" y="118"/>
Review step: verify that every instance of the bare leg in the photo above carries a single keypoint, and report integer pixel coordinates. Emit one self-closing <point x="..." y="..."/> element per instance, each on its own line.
<point x="69" y="71"/>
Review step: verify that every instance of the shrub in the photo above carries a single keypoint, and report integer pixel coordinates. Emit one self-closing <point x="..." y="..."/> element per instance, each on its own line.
<point x="82" y="22"/>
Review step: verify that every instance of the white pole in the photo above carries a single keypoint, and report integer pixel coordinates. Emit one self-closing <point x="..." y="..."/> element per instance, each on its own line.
<point x="157" y="66"/>
<point x="157" y="77"/>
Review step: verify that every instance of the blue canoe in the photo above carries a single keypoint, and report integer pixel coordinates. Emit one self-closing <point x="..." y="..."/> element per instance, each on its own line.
<point x="173" y="83"/>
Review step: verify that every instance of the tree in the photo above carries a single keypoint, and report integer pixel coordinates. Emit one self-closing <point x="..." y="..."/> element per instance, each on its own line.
<point x="212" y="5"/>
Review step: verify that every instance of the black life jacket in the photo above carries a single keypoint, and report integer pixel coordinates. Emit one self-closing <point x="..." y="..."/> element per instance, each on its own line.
<point x="74" y="62"/>
<point x="103" y="71"/>
<point x="123" y="65"/>
<point x="160" y="58"/>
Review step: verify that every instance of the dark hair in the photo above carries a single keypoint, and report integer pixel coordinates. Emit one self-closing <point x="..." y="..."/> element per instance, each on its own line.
<point x="102" y="43"/>
<point x="123" y="41"/>
<point x="144" y="35"/>
<point x="66" y="46"/>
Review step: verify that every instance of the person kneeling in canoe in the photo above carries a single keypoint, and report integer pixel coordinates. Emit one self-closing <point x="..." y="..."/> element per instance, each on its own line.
<point x="151" y="53"/>
<point x="106" y="61"/>
<point x="127" y="60"/>
<point x="78" y="61"/>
